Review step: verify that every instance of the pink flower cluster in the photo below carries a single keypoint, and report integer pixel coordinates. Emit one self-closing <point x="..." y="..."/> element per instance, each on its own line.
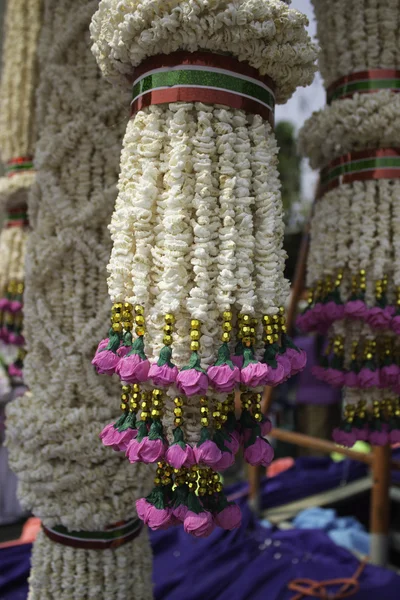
<point x="382" y="377"/>
<point x="348" y="436"/>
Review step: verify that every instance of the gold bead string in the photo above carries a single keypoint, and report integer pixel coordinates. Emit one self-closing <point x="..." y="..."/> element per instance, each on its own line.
<point x="220" y="414"/>
<point x="157" y="404"/>
<point x="256" y="407"/>
<point x="246" y="400"/>
<point x="247" y="329"/>
<point x="139" y="320"/>
<point x="125" y="397"/>
<point x="381" y="288"/>
<point x="121" y="317"/>
<point x="349" y="413"/>
<point x="204" y="410"/>
<point x="338" y="345"/>
<point x="145" y="406"/>
<point x="134" y="397"/>
<point x="271" y="328"/>
<point x="163" y="474"/>
<point x="226" y="326"/>
<point x="398" y="297"/>
<point x="178" y="411"/>
<point x="168" y="329"/>
<point x="195" y="335"/>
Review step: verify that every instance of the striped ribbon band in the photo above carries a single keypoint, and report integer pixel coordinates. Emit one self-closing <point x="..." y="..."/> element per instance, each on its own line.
<point x="112" y="537"/>
<point x="16" y="165"/>
<point x="366" y="165"/>
<point x="17" y="217"/>
<point x="364" y="82"/>
<point x="202" y="77"/>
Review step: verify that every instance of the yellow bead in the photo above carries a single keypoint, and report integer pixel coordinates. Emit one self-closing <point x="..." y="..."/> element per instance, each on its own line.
<point x="195" y="324"/>
<point x="117" y="307"/>
<point x="178" y="412"/>
<point x="117" y="327"/>
<point x="117" y="318"/>
<point x="226" y="337"/>
<point x="167" y="340"/>
<point x="252" y="331"/>
<point x="246" y="330"/>
<point x="178" y="421"/>
<point x="126" y="315"/>
<point x="127" y="325"/>
<point x="157" y="481"/>
<point x="123" y="406"/>
<point x="128" y="306"/>
<point x="139" y="320"/>
<point x="195" y="335"/>
<point x="194" y="346"/>
<point x="246" y="319"/>
<point x="204" y="410"/>
<point x="169" y="319"/>
<point x="227" y="315"/>
<point x="178" y="402"/>
<point x="136" y="387"/>
<point x="204" y="422"/>
<point x="139" y="331"/>
<point x="168" y="329"/>
<point x="139" y="310"/>
<point x="202" y="491"/>
<point x="125" y="389"/>
<point x="203" y="400"/>
<point x="227" y="326"/>
<point x="124" y="397"/>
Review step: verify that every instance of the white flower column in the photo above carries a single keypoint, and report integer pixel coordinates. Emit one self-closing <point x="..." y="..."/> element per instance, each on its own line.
<point x="75" y="486"/>
<point x="196" y="270"/>
<point x="354" y="261"/>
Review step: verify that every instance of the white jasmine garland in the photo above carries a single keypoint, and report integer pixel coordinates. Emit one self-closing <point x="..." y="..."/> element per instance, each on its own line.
<point x="66" y="476"/>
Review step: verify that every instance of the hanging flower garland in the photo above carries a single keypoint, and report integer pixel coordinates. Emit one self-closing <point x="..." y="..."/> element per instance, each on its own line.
<point x="353" y="279"/>
<point x="196" y="271"/>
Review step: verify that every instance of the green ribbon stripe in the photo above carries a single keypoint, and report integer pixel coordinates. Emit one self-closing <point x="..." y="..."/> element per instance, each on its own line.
<point x="364" y="86"/>
<point x="19" y="167"/>
<point x="105" y="535"/>
<point x="203" y="78"/>
<point x="360" y="165"/>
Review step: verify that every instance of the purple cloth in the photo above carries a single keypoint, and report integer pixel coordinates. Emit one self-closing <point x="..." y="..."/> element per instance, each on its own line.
<point x="252" y="562"/>
<point x="310" y="390"/>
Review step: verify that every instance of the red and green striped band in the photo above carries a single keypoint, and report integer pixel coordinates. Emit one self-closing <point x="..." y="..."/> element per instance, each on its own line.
<point x="366" y="165"/>
<point x="364" y="82"/>
<point x="202" y="77"/>
<point x="17" y="217"/>
<point x="16" y="165"/>
<point x="112" y="537"/>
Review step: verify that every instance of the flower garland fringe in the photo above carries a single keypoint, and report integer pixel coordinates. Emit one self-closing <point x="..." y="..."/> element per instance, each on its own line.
<point x="196" y="270"/>
<point x="354" y="261"/>
<point x="65" y="477"/>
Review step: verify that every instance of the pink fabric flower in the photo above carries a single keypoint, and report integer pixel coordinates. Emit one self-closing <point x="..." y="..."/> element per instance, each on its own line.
<point x="107" y="429"/>
<point x="142" y="508"/>
<point x="179" y="457"/>
<point x="223" y="378"/>
<point x="106" y="362"/>
<point x="333" y="312"/>
<point x="378" y="318"/>
<point x="378" y="438"/>
<point x="285" y="363"/>
<point x="344" y="438"/>
<point x="132" y="451"/>
<point x="4" y="303"/>
<point x="15" y="306"/>
<point x="276" y="376"/>
<point x="207" y="453"/>
<point x="123" y="351"/>
<point x="265" y="426"/>
<point x="16" y="339"/>
<point x="298" y="360"/>
<point x="227" y="460"/>
<point x="15" y="371"/>
<point x="334" y="377"/>
<point x="237" y="360"/>
<point x="395" y="324"/>
<point x="199" y="525"/>
<point x="163" y="376"/>
<point x="229" y="518"/>
<point x="356" y="309"/>
<point x="133" y="369"/>
<point x="368" y="378"/>
<point x="234" y="442"/>
<point x="151" y="451"/>
<point x="103" y="344"/>
<point x="180" y="512"/>
<point x="389" y="375"/>
<point x="351" y="379"/>
<point x="362" y="433"/>
<point x="122" y="439"/>
<point x="259" y="453"/>
<point x="158" y="519"/>
<point x="191" y="382"/>
<point x="394" y="436"/>
<point x="319" y="372"/>
<point x="254" y="374"/>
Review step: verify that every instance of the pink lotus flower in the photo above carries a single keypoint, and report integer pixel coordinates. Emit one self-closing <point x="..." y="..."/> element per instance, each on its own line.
<point x="103" y="344"/>
<point x="106" y="362"/>
<point x="123" y="351"/>
<point x="207" y="453"/>
<point x="227" y="460"/>
<point x="351" y="379"/>
<point x="223" y="378"/>
<point x="157" y="519"/>
<point x="259" y="453"/>
<point x="179" y="457"/>
<point x="133" y="369"/>
<point x="395" y="324"/>
<point x="394" y="436"/>
<point x="163" y="376"/>
<point x="191" y="382"/>
<point x="368" y="378"/>
<point x="333" y="312"/>
<point x="199" y="525"/>
<point x="122" y="439"/>
<point x="297" y="358"/>
<point x="356" y="309"/>
<point x="344" y="438"/>
<point x="229" y="518"/>
<point x="132" y="451"/>
<point x="254" y="374"/>
<point x="285" y="363"/>
<point x="334" y="377"/>
<point x="389" y="375"/>
<point x="378" y="318"/>
<point x="107" y="429"/>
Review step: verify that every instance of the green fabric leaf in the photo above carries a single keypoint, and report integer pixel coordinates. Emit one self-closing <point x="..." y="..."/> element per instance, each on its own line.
<point x="248" y="356"/>
<point x="204" y="436"/>
<point x="142" y="431"/>
<point x="138" y="348"/>
<point x="120" y="421"/>
<point x="224" y="357"/>
<point x="194" y="363"/>
<point x="156" y="431"/>
<point x="129" y="423"/>
<point x="179" y="438"/>
<point x="156" y="497"/>
<point x="114" y="341"/>
<point x="219" y="438"/>
<point x="180" y="496"/>
<point x="165" y="357"/>
<point x="193" y="503"/>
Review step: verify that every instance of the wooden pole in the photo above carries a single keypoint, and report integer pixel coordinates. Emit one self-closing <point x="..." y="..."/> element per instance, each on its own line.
<point x="380" y="505"/>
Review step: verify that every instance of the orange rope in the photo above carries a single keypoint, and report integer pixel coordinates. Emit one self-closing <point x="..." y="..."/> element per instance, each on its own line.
<point x="318" y="589"/>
